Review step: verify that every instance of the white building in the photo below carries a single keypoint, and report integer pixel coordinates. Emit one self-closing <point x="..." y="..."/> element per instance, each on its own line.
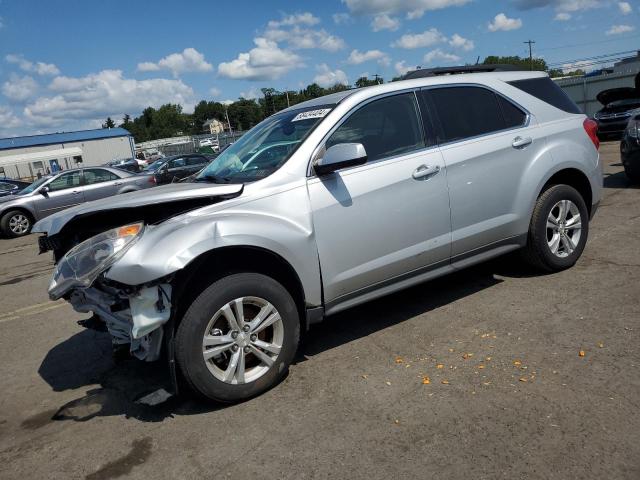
<point x="26" y="157"/>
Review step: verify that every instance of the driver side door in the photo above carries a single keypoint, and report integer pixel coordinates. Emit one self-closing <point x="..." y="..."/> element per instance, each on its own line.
<point x="64" y="191"/>
<point x="386" y="221"/>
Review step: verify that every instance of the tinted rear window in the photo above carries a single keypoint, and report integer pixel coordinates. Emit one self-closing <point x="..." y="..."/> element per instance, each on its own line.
<point x="466" y="112"/>
<point x="513" y="116"/>
<point x="548" y="91"/>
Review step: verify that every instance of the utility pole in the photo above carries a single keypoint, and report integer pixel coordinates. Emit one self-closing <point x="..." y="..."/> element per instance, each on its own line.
<point x="287" y="93"/>
<point x="376" y="77"/>
<point x="530" y="42"/>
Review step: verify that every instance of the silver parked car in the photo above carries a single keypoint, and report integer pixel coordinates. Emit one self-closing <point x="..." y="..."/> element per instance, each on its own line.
<point x="323" y="206"/>
<point x="53" y="193"/>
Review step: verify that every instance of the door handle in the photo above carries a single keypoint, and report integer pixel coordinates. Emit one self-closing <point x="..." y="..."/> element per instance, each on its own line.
<point x="117" y="183"/>
<point x="76" y="192"/>
<point x="425" y="171"/>
<point x="520" y="142"/>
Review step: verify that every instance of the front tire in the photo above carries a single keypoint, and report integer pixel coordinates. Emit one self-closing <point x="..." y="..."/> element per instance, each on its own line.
<point x="238" y="338"/>
<point x="558" y="229"/>
<point x="16" y="223"/>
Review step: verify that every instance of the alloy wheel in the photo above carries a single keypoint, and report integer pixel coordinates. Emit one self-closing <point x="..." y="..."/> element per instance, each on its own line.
<point x="243" y="340"/>
<point x="564" y="228"/>
<point x="19" y="224"/>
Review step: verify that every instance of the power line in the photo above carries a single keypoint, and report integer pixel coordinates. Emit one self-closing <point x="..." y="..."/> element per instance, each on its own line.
<point x="595" y="57"/>
<point x="589" y="43"/>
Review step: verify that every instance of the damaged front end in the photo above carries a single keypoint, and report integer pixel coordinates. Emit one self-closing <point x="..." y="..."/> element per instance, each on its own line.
<point x="87" y="243"/>
<point x="132" y="314"/>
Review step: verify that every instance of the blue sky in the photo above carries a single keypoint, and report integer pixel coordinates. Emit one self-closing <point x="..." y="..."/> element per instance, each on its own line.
<point x="68" y="64"/>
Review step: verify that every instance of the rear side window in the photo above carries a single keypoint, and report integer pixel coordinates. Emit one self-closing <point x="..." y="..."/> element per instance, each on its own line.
<point x="513" y="116"/>
<point x="193" y="161"/>
<point x="548" y="91"/>
<point x="386" y="127"/>
<point x="466" y="112"/>
<point x="98" y="175"/>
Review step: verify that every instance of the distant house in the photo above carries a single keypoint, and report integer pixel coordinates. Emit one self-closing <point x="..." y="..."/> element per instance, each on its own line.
<point x="213" y="126"/>
<point x="30" y="156"/>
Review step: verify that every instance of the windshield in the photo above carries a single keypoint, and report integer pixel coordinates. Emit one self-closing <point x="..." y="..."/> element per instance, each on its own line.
<point x="154" y="166"/>
<point x="264" y="148"/>
<point x="33" y="186"/>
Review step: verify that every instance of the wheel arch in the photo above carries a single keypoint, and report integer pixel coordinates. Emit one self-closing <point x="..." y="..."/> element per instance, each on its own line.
<point x="574" y="178"/>
<point x="219" y="262"/>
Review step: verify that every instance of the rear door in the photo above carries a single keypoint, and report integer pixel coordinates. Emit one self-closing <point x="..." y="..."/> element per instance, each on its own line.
<point x="487" y="142"/>
<point x="99" y="183"/>
<point x="389" y="218"/>
<point x="64" y="192"/>
<point x="195" y="163"/>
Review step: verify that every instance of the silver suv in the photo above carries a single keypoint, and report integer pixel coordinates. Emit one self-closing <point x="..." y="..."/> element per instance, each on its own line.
<point x="323" y="206"/>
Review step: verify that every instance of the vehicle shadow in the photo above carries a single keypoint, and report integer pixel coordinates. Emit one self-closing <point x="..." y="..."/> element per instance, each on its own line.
<point x="618" y="180"/>
<point x="85" y="360"/>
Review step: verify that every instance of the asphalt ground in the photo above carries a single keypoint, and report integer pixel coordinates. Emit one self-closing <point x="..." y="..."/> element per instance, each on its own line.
<point x="509" y="395"/>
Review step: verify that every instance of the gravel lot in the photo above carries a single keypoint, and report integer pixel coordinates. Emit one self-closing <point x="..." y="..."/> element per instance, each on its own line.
<point x="513" y="398"/>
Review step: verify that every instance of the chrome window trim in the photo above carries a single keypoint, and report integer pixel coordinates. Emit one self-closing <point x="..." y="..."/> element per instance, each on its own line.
<point x="316" y="150"/>
<point x="526" y="124"/>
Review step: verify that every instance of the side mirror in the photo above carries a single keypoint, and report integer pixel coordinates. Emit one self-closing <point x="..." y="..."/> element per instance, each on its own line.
<point x="44" y="191"/>
<point x="340" y="156"/>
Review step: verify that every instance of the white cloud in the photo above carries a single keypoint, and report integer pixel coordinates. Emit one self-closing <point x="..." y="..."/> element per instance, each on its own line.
<point x="439" y="55"/>
<point x="1" y="23"/>
<point x="214" y="92"/>
<point x="341" y="18"/>
<point x="561" y="5"/>
<point x="251" y="94"/>
<point x="357" y="57"/>
<point x="227" y="102"/>
<point x="189" y="60"/>
<point x="384" y="22"/>
<point x="328" y="78"/>
<point x="8" y="120"/>
<point x="415" y="8"/>
<point x="585" y="65"/>
<point x="415" y="14"/>
<point x="305" y="18"/>
<point x="305" y="38"/>
<point x="619" y="29"/>
<point x="79" y="100"/>
<point x="420" y="40"/>
<point x="19" y="89"/>
<point x="148" y="67"/>
<point x="562" y="17"/>
<point x="25" y="65"/>
<point x="264" y="62"/>
<point x="458" y="41"/>
<point x="625" y="8"/>
<point x="401" y="67"/>
<point x="504" y="23"/>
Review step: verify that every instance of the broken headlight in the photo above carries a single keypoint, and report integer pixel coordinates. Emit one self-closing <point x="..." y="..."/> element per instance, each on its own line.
<point x="84" y="262"/>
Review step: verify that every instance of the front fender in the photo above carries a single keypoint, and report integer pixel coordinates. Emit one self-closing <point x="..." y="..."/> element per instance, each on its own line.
<point x="283" y="228"/>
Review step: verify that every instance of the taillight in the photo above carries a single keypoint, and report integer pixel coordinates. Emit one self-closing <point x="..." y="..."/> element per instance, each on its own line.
<point x="591" y="127"/>
<point x="152" y="179"/>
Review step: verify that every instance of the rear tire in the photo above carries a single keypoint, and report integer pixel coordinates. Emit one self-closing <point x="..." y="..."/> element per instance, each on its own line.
<point x="225" y="362"/>
<point x="633" y="174"/>
<point x="558" y="229"/>
<point x="16" y="223"/>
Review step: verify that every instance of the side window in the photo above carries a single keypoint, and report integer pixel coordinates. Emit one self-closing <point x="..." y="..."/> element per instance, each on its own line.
<point x="513" y="116"/>
<point x="194" y="161"/>
<point x="545" y="89"/>
<point x="466" y="112"/>
<point x="64" y="181"/>
<point x="386" y="127"/>
<point x="177" y="163"/>
<point x="98" y="175"/>
<point x="5" y="187"/>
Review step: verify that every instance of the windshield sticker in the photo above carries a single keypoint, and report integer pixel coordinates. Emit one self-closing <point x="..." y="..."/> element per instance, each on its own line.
<point x="311" y="114"/>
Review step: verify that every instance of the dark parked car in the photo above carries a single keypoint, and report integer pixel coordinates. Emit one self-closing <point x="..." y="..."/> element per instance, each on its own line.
<point x="177" y="167"/>
<point x="619" y="104"/>
<point x="11" y="187"/>
<point x="128" y="164"/>
<point x="630" y="148"/>
<point x="53" y="193"/>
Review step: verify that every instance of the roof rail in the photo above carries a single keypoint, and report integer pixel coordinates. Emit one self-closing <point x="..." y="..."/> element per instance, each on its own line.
<point x="434" y="72"/>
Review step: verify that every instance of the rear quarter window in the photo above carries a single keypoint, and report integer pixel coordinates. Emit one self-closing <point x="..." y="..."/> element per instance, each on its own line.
<point x="548" y="91"/>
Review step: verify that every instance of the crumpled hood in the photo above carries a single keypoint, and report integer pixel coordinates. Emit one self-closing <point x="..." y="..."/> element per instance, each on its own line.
<point x="174" y="192"/>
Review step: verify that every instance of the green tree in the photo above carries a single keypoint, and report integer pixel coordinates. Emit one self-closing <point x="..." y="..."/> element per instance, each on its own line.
<point x="365" y="82"/>
<point x="538" y="63"/>
<point x="109" y="123"/>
